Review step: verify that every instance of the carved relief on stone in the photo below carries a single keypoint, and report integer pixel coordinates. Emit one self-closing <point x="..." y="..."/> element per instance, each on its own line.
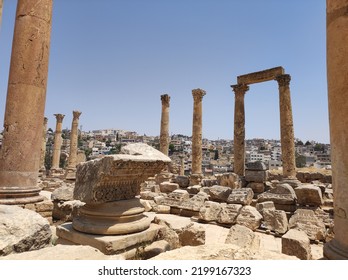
<point x="198" y="94"/>
<point x="59" y="117"/>
<point x="240" y="89"/>
<point x="76" y="115"/>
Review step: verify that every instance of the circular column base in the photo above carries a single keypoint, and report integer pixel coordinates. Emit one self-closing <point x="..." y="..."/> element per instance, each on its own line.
<point x="16" y="196"/>
<point x="112" y="218"/>
<point x="334" y="251"/>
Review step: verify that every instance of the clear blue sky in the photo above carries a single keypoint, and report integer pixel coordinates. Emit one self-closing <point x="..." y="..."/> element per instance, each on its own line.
<point x="112" y="59"/>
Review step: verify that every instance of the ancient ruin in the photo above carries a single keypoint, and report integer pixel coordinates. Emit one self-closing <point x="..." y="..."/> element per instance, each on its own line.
<point x="164" y="133"/>
<point x="71" y="169"/>
<point x="43" y="148"/>
<point x="286" y="123"/>
<point x="55" y="169"/>
<point x="20" y="164"/>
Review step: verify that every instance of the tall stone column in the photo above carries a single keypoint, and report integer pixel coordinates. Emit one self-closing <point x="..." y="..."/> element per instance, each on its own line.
<point x="286" y="127"/>
<point x="43" y="147"/>
<point x="337" y="72"/>
<point x="197" y="134"/>
<point x="1" y="5"/>
<point x="71" y="169"/>
<point x="164" y="134"/>
<point x="239" y="129"/>
<point x="57" y="144"/>
<point x="25" y="103"/>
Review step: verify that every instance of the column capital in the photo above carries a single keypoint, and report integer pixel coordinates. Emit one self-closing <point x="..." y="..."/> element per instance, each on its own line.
<point x="165" y="98"/>
<point x="59" y="117"/>
<point x="76" y="115"/>
<point x="283" y="80"/>
<point x="240" y="88"/>
<point x="198" y="94"/>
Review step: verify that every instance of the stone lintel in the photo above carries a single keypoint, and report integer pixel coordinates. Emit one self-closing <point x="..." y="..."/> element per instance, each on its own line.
<point x="261" y="76"/>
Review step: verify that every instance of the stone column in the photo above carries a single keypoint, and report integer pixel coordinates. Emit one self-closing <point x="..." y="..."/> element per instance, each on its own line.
<point x="25" y="103"/>
<point x="197" y="133"/>
<point x="286" y="127"/>
<point x="239" y="129"/>
<point x="182" y="165"/>
<point x="57" y="143"/>
<point x="337" y="72"/>
<point x="164" y="134"/>
<point x="71" y="169"/>
<point x="1" y="5"/>
<point x="43" y="147"/>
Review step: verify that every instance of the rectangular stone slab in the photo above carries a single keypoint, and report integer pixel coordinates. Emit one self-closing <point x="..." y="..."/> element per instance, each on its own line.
<point x="108" y="244"/>
<point x="260" y="76"/>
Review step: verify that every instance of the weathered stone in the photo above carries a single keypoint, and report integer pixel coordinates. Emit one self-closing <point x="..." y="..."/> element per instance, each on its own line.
<point x="242" y="196"/>
<point x="275" y="220"/>
<point x="176" y="198"/>
<point x="195" y="203"/>
<point x="256" y="166"/>
<point x="266" y="205"/>
<point x="155" y="249"/>
<point x="147" y="205"/>
<point x="219" y="193"/>
<point x="192" y="235"/>
<point x="306" y="221"/>
<point x="256" y="176"/>
<point x="182" y="181"/>
<point x="309" y="195"/>
<point x="249" y="217"/>
<point x="281" y="194"/>
<point x="243" y="237"/>
<point x="210" y="211"/>
<point x="22" y="230"/>
<point x="66" y="210"/>
<point x="257" y="187"/>
<point x="194" y="189"/>
<point x="148" y="195"/>
<point x="296" y="243"/>
<point x="164" y="132"/>
<point x="63" y="193"/>
<point x="163" y="209"/>
<point x="229" y="213"/>
<point x="168" y="187"/>
<point x="163" y="177"/>
<point x="231" y="180"/>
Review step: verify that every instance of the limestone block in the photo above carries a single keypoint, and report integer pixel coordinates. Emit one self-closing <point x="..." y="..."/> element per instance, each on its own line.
<point x="256" y="176"/>
<point x="231" y="180"/>
<point x="192" y="235"/>
<point x="168" y="187"/>
<point x="249" y="217"/>
<point x="275" y="220"/>
<point x="243" y="237"/>
<point x="306" y="221"/>
<point x="183" y="181"/>
<point x="229" y="213"/>
<point x="22" y="230"/>
<point x="195" y="203"/>
<point x="117" y="177"/>
<point x="194" y="189"/>
<point x="147" y="205"/>
<point x="155" y="249"/>
<point x="176" y="198"/>
<point x="66" y="210"/>
<point x="163" y="209"/>
<point x="257" y="187"/>
<point x="296" y="243"/>
<point x="262" y="206"/>
<point x="210" y="211"/>
<point x="219" y="193"/>
<point x="44" y="206"/>
<point x="148" y="195"/>
<point x="159" y="199"/>
<point x="208" y="182"/>
<point x="309" y="195"/>
<point x="281" y="194"/>
<point x="242" y="196"/>
<point x="63" y="193"/>
<point x="256" y="166"/>
<point x="163" y="177"/>
<point x="167" y="233"/>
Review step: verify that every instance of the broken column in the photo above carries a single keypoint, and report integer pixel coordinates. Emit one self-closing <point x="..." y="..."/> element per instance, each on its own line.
<point x="71" y="169"/>
<point x="239" y="128"/>
<point x="196" y="172"/>
<point x="164" y="133"/>
<point x="43" y="148"/>
<point x="55" y="170"/>
<point x="25" y="103"/>
<point x="337" y="72"/>
<point x="286" y="127"/>
<point x="109" y="187"/>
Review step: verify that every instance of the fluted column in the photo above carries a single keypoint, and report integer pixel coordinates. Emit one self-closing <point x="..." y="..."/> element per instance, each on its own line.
<point x="197" y="131"/>
<point x="43" y="146"/>
<point x="337" y="73"/>
<point x="57" y="142"/>
<point x="286" y="127"/>
<point x="164" y="133"/>
<point x="71" y="169"/>
<point x="239" y="129"/>
<point x="25" y="103"/>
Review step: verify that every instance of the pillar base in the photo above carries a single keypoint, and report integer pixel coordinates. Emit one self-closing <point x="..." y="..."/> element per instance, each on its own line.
<point x="334" y="251"/>
<point x="16" y="195"/>
<point x="70" y="174"/>
<point x="57" y="172"/>
<point x="112" y="218"/>
<point x="195" y="179"/>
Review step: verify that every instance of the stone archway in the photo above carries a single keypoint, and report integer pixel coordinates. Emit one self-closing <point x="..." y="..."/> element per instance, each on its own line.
<point x="286" y="122"/>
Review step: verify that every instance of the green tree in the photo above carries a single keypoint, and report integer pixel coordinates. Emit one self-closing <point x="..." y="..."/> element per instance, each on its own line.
<point x="171" y="149"/>
<point x="300" y="161"/>
<point x="216" y="154"/>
